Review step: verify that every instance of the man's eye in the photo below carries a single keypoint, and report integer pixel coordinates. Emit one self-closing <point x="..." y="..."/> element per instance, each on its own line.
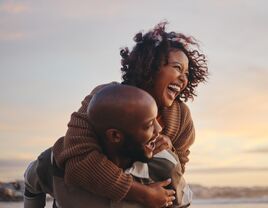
<point x="150" y="125"/>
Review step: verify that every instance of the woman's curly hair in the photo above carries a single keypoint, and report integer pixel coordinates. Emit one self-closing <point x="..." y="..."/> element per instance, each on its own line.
<point x="151" y="51"/>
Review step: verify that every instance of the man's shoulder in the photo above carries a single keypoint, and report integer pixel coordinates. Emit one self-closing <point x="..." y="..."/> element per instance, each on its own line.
<point x="96" y="90"/>
<point x="100" y="87"/>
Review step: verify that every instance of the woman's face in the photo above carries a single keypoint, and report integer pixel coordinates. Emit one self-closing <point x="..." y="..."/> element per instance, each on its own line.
<point x="171" y="79"/>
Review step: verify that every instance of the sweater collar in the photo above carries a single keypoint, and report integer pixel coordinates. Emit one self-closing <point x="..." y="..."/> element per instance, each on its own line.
<point x="171" y="117"/>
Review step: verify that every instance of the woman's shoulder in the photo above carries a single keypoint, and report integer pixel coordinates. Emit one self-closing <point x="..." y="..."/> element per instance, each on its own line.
<point x="184" y="111"/>
<point x="182" y="106"/>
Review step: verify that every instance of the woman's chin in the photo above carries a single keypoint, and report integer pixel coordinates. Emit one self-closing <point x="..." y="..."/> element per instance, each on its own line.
<point x="167" y="103"/>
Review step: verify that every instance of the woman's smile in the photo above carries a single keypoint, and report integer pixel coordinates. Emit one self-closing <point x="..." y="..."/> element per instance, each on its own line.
<point x="171" y="79"/>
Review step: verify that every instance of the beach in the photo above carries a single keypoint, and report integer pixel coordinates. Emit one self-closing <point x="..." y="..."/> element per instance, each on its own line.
<point x="11" y="196"/>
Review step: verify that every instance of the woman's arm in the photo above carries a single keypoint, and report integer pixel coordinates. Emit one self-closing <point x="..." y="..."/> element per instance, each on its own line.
<point x="80" y="154"/>
<point x="182" y="132"/>
<point x="153" y="195"/>
<point x="85" y="165"/>
<point x="185" y="137"/>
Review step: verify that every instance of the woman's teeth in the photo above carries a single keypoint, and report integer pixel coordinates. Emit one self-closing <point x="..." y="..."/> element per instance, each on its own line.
<point x="174" y="88"/>
<point x="172" y="93"/>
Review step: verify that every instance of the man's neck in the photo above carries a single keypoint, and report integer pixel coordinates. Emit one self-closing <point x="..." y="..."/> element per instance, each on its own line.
<point x="117" y="158"/>
<point x="121" y="161"/>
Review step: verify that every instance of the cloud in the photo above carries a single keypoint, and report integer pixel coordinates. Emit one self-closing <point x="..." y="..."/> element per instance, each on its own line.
<point x="92" y="9"/>
<point x="13" y="162"/>
<point x="11" y="36"/>
<point x="28" y="133"/>
<point x="13" y="8"/>
<point x="227" y="170"/>
<point x="259" y="150"/>
<point x="84" y="10"/>
<point x="234" y="104"/>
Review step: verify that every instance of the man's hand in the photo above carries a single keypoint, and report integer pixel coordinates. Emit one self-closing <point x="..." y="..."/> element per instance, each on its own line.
<point x="162" y="142"/>
<point x="153" y="195"/>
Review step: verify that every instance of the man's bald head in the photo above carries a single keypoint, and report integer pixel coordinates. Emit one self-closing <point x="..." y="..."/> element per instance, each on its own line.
<point x="117" y="106"/>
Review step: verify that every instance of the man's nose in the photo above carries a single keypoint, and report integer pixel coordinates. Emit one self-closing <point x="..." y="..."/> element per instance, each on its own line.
<point x="158" y="127"/>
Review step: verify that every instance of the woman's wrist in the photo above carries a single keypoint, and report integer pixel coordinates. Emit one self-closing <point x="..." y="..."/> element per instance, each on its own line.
<point x="138" y="193"/>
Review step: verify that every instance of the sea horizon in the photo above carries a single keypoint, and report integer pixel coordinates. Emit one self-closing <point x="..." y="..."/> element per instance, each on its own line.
<point x="13" y="170"/>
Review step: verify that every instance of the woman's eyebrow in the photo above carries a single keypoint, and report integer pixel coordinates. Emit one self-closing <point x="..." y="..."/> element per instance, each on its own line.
<point x="179" y="63"/>
<point x="175" y="63"/>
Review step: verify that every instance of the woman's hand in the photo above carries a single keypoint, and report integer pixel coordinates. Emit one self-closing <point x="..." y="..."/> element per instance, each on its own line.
<point x="152" y="196"/>
<point x="159" y="196"/>
<point x="162" y="142"/>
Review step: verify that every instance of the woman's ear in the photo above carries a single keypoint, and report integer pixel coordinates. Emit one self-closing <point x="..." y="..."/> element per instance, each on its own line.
<point x="114" y="136"/>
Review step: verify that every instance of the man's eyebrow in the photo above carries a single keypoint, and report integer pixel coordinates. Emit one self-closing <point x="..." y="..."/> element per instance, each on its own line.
<point x="149" y="120"/>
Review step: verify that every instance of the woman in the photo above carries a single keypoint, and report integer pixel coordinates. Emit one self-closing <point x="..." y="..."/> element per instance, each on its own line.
<point x="165" y="65"/>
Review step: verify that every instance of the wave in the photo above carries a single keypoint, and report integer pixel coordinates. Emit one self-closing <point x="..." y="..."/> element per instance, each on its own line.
<point x="261" y="200"/>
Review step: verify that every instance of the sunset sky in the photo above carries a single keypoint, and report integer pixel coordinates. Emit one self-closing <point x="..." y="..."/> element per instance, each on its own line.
<point x="52" y="53"/>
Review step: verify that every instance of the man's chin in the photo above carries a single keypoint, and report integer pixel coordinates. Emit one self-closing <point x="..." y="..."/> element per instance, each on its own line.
<point x="142" y="158"/>
<point x="146" y="158"/>
<point x="137" y="156"/>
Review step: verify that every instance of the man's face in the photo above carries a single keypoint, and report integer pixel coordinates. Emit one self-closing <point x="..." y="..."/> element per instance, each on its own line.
<point x="141" y="134"/>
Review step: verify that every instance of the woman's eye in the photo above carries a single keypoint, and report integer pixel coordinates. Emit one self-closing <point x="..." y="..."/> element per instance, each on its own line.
<point x="178" y="68"/>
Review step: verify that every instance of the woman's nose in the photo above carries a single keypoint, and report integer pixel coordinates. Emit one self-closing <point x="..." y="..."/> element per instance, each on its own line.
<point x="183" y="77"/>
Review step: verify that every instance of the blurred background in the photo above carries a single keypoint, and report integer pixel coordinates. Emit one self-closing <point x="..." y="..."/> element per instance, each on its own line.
<point x="52" y="54"/>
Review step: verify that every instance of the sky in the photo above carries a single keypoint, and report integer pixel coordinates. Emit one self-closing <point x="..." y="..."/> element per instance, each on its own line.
<point x="53" y="53"/>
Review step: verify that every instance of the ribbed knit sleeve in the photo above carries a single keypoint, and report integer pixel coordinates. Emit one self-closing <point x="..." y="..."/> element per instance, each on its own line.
<point x="85" y="164"/>
<point x="186" y="135"/>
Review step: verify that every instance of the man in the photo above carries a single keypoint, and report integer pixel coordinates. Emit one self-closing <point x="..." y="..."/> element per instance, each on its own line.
<point x="125" y="123"/>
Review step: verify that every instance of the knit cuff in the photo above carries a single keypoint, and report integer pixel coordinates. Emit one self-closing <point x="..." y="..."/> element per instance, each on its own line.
<point x="123" y="187"/>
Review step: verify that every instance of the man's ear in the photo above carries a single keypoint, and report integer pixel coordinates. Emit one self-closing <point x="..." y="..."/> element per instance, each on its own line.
<point x="114" y="136"/>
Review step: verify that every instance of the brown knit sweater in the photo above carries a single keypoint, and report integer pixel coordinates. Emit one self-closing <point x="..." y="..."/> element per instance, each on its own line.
<point x="85" y="164"/>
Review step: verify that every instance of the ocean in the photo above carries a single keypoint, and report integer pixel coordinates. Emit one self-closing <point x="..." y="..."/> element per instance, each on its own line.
<point x="9" y="171"/>
<point x="199" y="204"/>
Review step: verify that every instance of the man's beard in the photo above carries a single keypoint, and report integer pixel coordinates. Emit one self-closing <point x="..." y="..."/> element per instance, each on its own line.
<point x="133" y="150"/>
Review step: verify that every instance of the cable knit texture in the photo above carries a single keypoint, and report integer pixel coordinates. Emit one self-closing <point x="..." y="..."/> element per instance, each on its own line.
<point x="85" y="164"/>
